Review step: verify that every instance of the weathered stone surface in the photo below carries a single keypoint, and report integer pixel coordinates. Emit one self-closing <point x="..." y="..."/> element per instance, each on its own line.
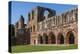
<point x="63" y="27"/>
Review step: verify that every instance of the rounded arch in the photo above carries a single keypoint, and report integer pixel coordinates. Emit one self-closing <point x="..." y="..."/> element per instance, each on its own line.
<point x="60" y="38"/>
<point x="52" y="38"/>
<point x="45" y="38"/>
<point x="70" y="38"/>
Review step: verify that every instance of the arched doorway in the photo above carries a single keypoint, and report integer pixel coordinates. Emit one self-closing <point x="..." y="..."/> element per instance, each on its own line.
<point x="45" y="38"/>
<point x="52" y="38"/>
<point x="40" y="39"/>
<point x="71" y="38"/>
<point x="60" y="39"/>
<point x="34" y="41"/>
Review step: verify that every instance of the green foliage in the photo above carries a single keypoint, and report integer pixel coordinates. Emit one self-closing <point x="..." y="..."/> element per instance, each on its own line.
<point x="11" y="30"/>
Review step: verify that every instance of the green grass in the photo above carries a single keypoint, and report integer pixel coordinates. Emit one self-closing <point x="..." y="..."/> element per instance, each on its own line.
<point x="33" y="48"/>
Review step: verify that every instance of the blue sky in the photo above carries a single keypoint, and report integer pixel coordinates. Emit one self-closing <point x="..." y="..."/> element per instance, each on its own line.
<point x="23" y="8"/>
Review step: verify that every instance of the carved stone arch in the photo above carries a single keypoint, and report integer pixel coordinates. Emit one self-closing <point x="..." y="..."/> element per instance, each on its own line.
<point x="45" y="13"/>
<point x="41" y="13"/>
<point x="60" y="38"/>
<point x="40" y="39"/>
<point x="71" y="37"/>
<point x="45" y="38"/>
<point x="51" y="12"/>
<point x="52" y="38"/>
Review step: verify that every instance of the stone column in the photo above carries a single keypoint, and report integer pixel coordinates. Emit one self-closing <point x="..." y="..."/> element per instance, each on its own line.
<point x="56" y="40"/>
<point x="49" y="40"/>
<point x="62" y="19"/>
<point x="65" y="41"/>
<point x="43" y="40"/>
<point x="36" y="41"/>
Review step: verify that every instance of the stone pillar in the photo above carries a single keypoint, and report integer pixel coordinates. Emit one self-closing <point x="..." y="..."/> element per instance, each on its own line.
<point x="65" y="41"/>
<point x="76" y="38"/>
<point x="56" y="40"/>
<point x="62" y="19"/>
<point x="36" y="41"/>
<point x="49" y="40"/>
<point x="55" y="21"/>
<point x="43" y="40"/>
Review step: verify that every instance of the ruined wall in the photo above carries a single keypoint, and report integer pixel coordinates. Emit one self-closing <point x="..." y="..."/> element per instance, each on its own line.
<point x="40" y="26"/>
<point x="35" y="16"/>
<point x="61" y="24"/>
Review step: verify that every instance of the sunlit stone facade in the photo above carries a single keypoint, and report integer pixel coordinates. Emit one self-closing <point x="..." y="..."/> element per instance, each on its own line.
<point x="47" y="27"/>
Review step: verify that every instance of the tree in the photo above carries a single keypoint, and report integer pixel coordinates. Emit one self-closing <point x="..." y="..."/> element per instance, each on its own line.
<point x="11" y="30"/>
<point x="12" y="39"/>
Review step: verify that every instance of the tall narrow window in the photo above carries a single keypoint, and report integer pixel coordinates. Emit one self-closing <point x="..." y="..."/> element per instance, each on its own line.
<point x="29" y="16"/>
<point x="33" y="28"/>
<point x="76" y="16"/>
<point x="65" y="18"/>
<point x="56" y="20"/>
<point x="32" y="14"/>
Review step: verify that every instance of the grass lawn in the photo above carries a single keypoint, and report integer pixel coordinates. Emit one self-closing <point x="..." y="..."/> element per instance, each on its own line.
<point x="33" y="48"/>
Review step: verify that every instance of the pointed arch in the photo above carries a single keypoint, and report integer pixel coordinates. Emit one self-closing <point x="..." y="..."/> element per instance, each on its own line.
<point x="52" y="38"/>
<point x="70" y="37"/>
<point x="45" y="37"/>
<point x="40" y="39"/>
<point x="60" y="38"/>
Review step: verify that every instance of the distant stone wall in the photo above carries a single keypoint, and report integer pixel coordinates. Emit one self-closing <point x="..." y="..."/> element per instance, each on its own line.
<point x="21" y="32"/>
